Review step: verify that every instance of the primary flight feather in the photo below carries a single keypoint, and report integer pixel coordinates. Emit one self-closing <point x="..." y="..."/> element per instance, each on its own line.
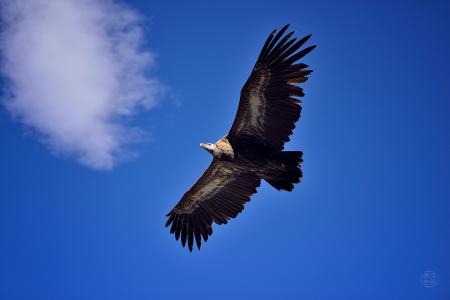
<point x="252" y="150"/>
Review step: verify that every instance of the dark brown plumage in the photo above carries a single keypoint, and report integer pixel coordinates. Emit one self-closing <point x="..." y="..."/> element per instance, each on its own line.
<point x="253" y="149"/>
<point x="271" y="88"/>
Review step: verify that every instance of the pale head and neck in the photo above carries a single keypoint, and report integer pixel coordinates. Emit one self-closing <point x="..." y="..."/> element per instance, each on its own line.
<point x="221" y="149"/>
<point x="210" y="147"/>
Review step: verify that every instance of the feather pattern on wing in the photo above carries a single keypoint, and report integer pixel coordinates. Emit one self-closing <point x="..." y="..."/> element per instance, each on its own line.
<point x="219" y="194"/>
<point x="269" y="104"/>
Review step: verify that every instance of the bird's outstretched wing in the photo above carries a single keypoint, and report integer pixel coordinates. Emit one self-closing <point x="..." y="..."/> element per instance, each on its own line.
<point x="219" y="194"/>
<point x="269" y="104"/>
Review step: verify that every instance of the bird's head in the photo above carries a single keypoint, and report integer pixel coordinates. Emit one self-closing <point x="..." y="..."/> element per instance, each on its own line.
<point x="209" y="147"/>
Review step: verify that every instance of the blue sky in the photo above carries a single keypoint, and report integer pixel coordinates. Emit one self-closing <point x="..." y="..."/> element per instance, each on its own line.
<point x="369" y="218"/>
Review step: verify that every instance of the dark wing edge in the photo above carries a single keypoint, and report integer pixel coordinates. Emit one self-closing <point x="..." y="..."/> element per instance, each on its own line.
<point x="219" y="195"/>
<point x="269" y="105"/>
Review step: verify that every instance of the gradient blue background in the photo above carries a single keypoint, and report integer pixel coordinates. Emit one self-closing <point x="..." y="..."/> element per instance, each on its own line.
<point x="371" y="215"/>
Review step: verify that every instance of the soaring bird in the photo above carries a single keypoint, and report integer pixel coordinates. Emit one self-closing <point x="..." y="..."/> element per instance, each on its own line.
<point x="252" y="150"/>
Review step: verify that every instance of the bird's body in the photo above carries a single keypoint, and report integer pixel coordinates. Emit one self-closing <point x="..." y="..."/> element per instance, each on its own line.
<point x="259" y="160"/>
<point x="252" y="151"/>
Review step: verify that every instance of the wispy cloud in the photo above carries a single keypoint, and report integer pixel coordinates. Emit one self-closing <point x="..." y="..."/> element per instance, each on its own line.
<point x="74" y="70"/>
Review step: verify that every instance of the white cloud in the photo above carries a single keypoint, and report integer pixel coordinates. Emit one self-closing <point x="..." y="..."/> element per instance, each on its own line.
<point x="74" y="70"/>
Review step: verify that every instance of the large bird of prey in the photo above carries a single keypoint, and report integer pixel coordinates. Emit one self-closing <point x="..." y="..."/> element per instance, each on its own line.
<point x="253" y="148"/>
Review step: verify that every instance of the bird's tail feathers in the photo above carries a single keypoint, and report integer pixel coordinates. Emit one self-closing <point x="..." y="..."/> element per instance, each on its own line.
<point x="288" y="172"/>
